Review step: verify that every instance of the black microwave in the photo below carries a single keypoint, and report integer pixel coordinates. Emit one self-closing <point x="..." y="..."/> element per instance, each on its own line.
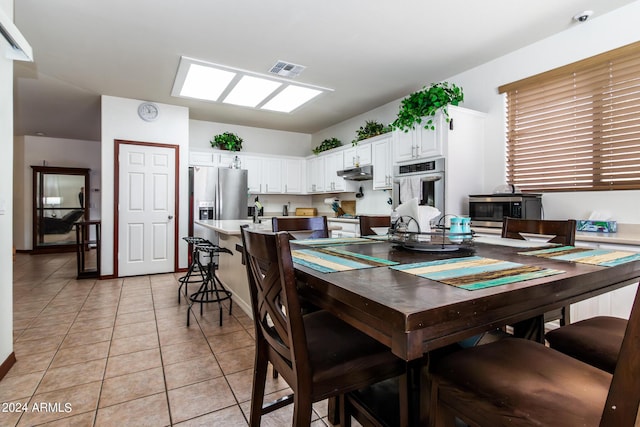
<point x="489" y="210"/>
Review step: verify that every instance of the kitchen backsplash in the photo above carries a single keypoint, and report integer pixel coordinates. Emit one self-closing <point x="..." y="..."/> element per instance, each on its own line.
<point x="371" y="202"/>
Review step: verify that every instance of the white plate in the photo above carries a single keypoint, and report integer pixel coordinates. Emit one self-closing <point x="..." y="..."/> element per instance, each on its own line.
<point x="380" y="231"/>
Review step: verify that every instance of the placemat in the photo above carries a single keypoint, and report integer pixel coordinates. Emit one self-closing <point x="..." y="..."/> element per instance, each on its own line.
<point x="602" y="257"/>
<point x="333" y="241"/>
<point x="475" y="272"/>
<point x="330" y="260"/>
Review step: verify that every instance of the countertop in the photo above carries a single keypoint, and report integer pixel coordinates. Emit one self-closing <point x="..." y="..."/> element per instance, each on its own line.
<point x="231" y="227"/>
<point x="628" y="234"/>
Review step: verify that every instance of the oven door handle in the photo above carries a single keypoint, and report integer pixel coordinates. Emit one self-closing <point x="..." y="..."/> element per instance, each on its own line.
<point x="431" y="178"/>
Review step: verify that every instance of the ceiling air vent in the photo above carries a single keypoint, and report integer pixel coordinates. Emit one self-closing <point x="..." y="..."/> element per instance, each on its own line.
<point x="286" y="69"/>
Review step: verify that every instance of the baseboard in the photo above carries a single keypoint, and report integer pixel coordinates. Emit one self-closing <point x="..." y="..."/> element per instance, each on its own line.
<point x="7" y="364"/>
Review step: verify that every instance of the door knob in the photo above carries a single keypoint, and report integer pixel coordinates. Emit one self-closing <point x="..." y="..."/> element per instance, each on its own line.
<point x="170" y="216"/>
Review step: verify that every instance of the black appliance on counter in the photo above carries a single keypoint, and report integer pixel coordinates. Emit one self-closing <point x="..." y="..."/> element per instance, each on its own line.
<point x="488" y="210"/>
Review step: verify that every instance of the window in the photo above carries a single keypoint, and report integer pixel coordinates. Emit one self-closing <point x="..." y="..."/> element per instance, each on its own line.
<point x="577" y="128"/>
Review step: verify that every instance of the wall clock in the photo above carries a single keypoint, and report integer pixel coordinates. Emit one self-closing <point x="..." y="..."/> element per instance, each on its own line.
<point x="148" y="111"/>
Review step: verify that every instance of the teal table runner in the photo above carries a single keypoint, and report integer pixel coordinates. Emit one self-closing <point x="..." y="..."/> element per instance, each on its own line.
<point x="475" y="272"/>
<point x="602" y="257"/>
<point x="330" y="260"/>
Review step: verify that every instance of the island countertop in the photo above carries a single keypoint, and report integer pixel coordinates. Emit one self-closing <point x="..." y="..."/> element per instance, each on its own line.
<point x="231" y="227"/>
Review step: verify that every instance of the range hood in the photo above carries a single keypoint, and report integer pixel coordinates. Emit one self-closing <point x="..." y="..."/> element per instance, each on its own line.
<point x="363" y="173"/>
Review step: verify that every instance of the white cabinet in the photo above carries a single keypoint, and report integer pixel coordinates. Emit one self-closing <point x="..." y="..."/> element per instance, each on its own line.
<point x="333" y="162"/>
<point x="264" y="174"/>
<point x="292" y="174"/>
<point x="315" y="174"/>
<point x="420" y="143"/>
<point x="382" y="163"/>
<point x="359" y="155"/>
<point x="198" y="158"/>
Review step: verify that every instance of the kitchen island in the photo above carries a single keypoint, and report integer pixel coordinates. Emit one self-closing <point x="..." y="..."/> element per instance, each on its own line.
<point x="231" y="271"/>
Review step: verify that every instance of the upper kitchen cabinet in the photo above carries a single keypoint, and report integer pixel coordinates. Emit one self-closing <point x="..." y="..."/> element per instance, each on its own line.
<point x="315" y="174"/>
<point x="382" y="162"/>
<point x="265" y="174"/>
<point x="333" y="162"/>
<point x="293" y="176"/>
<point x="359" y="155"/>
<point x="419" y="143"/>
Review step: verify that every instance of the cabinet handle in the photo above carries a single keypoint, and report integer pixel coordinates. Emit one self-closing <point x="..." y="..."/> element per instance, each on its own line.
<point x="266" y="186"/>
<point x="285" y="188"/>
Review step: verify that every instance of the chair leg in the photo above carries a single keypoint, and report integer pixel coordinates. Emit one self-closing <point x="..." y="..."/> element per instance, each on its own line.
<point x="259" y="379"/>
<point x="345" y="413"/>
<point x="302" y="407"/>
<point x="565" y="319"/>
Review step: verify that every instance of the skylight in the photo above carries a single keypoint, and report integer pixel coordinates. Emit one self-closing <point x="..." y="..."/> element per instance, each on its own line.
<point x="219" y="83"/>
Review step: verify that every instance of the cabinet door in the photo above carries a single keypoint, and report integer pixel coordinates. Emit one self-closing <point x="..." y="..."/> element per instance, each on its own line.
<point x="359" y="155"/>
<point x="404" y="145"/>
<point x="292" y="176"/>
<point x="431" y="142"/>
<point x="382" y="164"/>
<point x="332" y="164"/>
<point x="197" y="158"/>
<point x="253" y="165"/>
<point x="315" y="174"/>
<point x="272" y="175"/>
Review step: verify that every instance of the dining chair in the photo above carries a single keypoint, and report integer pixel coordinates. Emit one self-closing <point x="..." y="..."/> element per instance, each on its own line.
<point x="313" y="227"/>
<point x="524" y="383"/>
<point x="562" y="232"/>
<point x="595" y="341"/>
<point x="367" y="222"/>
<point x="317" y="354"/>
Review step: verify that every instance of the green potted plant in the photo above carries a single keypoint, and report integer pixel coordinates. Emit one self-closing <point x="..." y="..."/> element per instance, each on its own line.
<point x="227" y="141"/>
<point x="370" y="129"/>
<point x="327" y="144"/>
<point x="426" y="103"/>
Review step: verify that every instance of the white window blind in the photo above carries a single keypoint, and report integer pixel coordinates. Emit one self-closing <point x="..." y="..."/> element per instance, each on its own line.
<point x="577" y="127"/>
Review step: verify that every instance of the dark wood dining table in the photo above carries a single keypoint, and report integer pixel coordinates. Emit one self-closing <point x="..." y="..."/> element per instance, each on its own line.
<point x="414" y="315"/>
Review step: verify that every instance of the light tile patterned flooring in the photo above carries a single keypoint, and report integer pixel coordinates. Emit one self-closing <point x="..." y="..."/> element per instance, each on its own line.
<point x="118" y="353"/>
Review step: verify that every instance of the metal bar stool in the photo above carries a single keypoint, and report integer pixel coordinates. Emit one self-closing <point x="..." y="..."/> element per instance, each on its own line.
<point x="194" y="273"/>
<point x="212" y="289"/>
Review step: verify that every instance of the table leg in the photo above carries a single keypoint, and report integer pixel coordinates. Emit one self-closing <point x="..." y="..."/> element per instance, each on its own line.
<point x="531" y="329"/>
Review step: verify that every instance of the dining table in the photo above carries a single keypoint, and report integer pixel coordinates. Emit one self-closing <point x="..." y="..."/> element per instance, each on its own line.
<point x="400" y="298"/>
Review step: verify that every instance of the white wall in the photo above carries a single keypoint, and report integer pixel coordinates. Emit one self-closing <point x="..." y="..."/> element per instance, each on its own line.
<point x="480" y="84"/>
<point x="256" y="140"/>
<point x="120" y="121"/>
<point x="6" y="196"/>
<point x="43" y="151"/>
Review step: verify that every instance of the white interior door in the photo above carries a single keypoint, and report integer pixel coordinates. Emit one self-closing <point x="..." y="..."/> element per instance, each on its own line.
<point x="146" y="215"/>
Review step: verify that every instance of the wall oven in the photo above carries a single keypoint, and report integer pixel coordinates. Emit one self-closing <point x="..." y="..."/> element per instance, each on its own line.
<point x="489" y="210"/>
<point x="425" y="180"/>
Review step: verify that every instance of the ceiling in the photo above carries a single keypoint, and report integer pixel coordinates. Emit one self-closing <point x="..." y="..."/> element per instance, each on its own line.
<point x="370" y="52"/>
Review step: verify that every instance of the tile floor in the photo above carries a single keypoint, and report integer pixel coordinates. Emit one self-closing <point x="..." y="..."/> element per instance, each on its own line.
<point x="118" y="353"/>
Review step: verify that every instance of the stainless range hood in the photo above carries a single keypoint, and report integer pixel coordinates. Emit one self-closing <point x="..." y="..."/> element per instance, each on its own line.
<point x="363" y="173"/>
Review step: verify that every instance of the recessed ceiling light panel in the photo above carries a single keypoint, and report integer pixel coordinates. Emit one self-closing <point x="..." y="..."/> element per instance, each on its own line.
<point x="219" y="83"/>
<point x="205" y="82"/>
<point x="250" y="91"/>
<point x="291" y="98"/>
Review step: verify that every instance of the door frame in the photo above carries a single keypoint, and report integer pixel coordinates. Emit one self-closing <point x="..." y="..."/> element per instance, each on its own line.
<point x="116" y="197"/>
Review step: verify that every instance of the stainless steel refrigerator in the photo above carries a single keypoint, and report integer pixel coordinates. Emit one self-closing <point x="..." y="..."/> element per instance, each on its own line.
<point x="216" y="193"/>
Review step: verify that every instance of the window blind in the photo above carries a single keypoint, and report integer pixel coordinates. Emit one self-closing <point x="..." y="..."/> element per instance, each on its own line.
<point x="577" y="128"/>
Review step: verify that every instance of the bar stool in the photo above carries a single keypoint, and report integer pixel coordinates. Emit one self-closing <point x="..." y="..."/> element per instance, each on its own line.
<point x="199" y="276"/>
<point x="211" y="289"/>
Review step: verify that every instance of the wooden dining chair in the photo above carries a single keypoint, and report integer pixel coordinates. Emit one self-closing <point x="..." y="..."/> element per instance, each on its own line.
<point x="317" y="354"/>
<point x="562" y="232"/>
<point x="518" y="382"/>
<point x="367" y="222"/>
<point x="313" y="227"/>
<point x="595" y="341"/>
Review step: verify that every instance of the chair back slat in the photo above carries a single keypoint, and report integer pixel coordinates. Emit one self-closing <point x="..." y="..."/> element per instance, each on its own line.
<point x="315" y="225"/>
<point x="274" y="296"/>
<point x="623" y="399"/>
<point x="563" y="231"/>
